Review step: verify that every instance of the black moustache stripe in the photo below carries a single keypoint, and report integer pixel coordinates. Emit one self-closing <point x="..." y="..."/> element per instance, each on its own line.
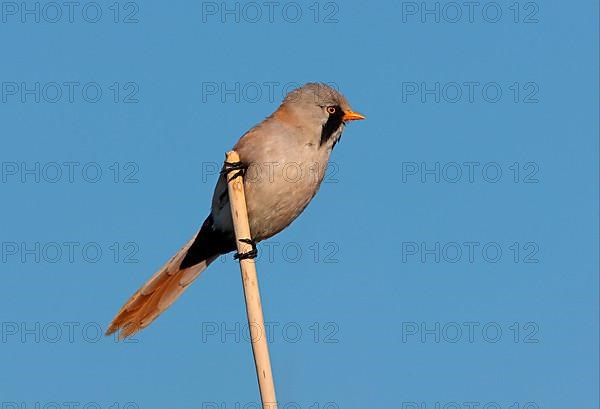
<point x="333" y="123"/>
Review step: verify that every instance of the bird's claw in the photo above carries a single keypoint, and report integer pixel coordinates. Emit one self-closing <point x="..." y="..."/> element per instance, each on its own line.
<point x="232" y="166"/>
<point x="248" y="255"/>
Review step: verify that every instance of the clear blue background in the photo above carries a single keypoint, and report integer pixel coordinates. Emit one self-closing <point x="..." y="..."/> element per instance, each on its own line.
<point x="366" y="210"/>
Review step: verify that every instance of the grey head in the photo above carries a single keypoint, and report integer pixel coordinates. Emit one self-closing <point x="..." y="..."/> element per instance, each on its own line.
<point x="321" y="109"/>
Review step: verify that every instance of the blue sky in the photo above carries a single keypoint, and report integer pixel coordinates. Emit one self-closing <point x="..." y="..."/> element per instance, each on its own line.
<point x="450" y="258"/>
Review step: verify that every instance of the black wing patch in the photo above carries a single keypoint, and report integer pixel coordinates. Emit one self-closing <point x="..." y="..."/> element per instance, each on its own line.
<point x="208" y="243"/>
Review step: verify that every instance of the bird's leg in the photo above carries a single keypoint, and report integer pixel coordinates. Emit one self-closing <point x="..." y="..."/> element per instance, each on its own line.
<point x="248" y="255"/>
<point x="231" y="166"/>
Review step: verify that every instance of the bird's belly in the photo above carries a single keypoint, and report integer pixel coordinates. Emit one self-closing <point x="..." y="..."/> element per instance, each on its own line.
<point x="277" y="195"/>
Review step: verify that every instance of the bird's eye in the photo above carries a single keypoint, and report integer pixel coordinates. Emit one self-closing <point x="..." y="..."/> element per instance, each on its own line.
<point x="331" y="110"/>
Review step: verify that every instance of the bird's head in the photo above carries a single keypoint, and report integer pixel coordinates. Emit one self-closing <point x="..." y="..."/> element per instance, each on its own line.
<point x="320" y="107"/>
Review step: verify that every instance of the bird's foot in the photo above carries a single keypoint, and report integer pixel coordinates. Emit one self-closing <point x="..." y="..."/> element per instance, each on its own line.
<point x="233" y="166"/>
<point x="248" y="255"/>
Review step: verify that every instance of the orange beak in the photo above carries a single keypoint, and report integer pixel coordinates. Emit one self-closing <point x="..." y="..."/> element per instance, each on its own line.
<point x="353" y="116"/>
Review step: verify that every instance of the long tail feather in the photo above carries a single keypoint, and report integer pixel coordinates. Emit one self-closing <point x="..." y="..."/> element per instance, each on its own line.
<point x="158" y="294"/>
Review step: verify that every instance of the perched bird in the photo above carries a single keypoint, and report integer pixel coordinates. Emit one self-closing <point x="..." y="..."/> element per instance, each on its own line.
<point x="284" y="160"/>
